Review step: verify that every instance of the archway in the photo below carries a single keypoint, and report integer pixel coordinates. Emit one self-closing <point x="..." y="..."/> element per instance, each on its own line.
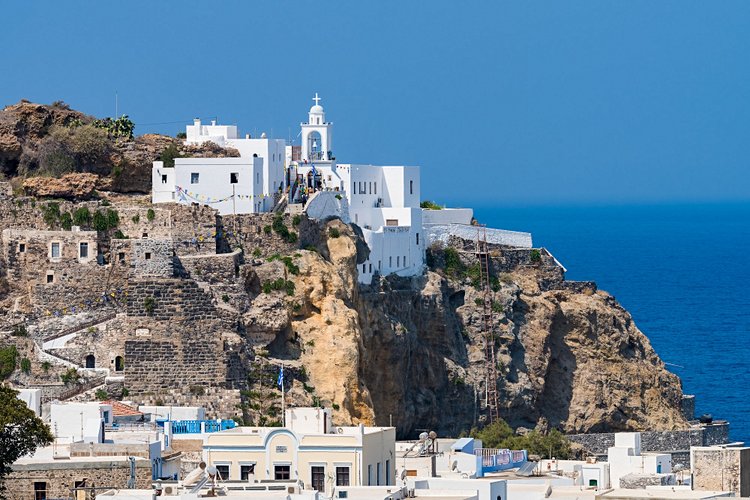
<point x="314" y="146"/>
<point x="90" y="361"/>
<point x="119" y="364"/>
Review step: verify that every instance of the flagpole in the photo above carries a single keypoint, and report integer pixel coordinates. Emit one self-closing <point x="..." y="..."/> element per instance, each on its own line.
<point x="283" y="411"/>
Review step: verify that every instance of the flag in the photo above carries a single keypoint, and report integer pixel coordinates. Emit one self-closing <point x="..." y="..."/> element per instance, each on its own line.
<point x="280" y="381"/>
<point x="314" y="170"/>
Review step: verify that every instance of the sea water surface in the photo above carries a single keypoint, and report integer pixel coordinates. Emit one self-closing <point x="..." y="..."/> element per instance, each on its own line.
<point x="682" y="271"/>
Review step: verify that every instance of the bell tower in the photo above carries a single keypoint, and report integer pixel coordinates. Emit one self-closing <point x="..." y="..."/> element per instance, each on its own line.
<point x="316" y="134"/>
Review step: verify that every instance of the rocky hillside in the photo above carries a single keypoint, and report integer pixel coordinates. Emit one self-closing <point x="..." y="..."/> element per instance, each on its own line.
<point x="570" y="357"/>
<point x="53" y="140"/>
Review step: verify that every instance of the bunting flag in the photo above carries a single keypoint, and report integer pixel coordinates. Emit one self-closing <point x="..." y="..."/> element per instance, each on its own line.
<point x="185" y="195"/>
<point x="105" y="297"/>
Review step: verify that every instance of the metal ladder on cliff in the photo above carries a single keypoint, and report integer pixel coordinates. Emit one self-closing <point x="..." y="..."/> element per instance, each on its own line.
<point x="488" y="326"/>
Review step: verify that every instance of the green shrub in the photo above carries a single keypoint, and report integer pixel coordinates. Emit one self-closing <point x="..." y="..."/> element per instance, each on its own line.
<point x="169" y="154"/>
<point x="46" y="365"/>
<point x="430" y="205"/>
<point x="453" y="264"/>
<point x="148" y="305"/>
<point x="113" y="219"/>
<point x="225" y="298"/>
<point x="66" y="221"/>
<point x="335" y="406"/>
<point x="20" y="331"/>
<point x="99" y="221"/>
<point x="535" y="256"/>
<point x="150" y="215"/>
<point x="101" y="394"/>
<point x="338" y="196"/>
<point x="479" y="302"/>
<point x="291" y="237"/>
<point x="500" y="435"/>
<point x="82" y="217"/>
<point x="105" y="203"/>
<point x="26" y="365"/>
<point x="136" y="219"/>
<point x="296" y="220"/>
<point x="256" y="252"/>
<point x="119" y="235"/>
<point x="267" y="229"/>
<point x="290" y="265"/>
<point x="333" y="232"/>
<point x="8" y="360"/>
<point x="497" y="307"/>
<point x="70" y="376"/>
<point x="51" y="213"/>
<point x="279" y="284"/>
<point x="181" y="135"/>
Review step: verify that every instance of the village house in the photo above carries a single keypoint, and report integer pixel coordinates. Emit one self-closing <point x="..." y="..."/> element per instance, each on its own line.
<point x="309" y="449"/>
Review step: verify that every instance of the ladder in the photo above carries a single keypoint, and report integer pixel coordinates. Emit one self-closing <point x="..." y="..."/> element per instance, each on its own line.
<point x="488" y="326"/>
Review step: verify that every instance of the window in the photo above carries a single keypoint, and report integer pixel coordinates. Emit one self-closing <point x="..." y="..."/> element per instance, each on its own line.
<point x="391" y="222"/>
<point x="119" y="364"/>
<point x="223" y="471"/>
<point x="378" y="475"/>
<point x="233" y="178"/>
<point x="404" y="260"/>
<point x="370" y="266"/>
<point x="90" y="361"/>
<point x="342" y="476"/>
<point x="411" y="187"/>
<point x="369" y="474"/>
<point x="318" y="477"/>
<point x="376" y="187"/>
<point x="22" y="249"/>
<point x="83" y="250"/>
<point x="417" y="238"/>
<point x="40" y="491"/>
<point x="398" y="261"/>
<point x="257" y="177"/>
<point x="281" y="472"/>
<point x="387" y="472"/>
<point x="50" y="278"/>
<point x="370" y="183"/>
<point x="55" y="251"/>
<point x="148" y="256"/>
<point x="390" y="261"/>
<point x="364" y="268"/>
<point x="121" y="256"/>
<point x="164" y="179"/>
<point x="246" y="471"/>
<point x="194" y="178"/>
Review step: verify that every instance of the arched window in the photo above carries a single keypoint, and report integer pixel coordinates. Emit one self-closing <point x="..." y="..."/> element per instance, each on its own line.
<point x="90" y="361"/>
<point x="119" y="364"/>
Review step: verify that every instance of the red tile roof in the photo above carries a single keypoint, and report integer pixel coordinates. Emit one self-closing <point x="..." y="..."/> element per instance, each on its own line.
<point x="121" y="409"/>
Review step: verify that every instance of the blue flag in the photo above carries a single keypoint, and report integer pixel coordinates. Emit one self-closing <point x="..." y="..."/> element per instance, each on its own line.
<point x="280" y="382"/>
<point x="314" y="170"/>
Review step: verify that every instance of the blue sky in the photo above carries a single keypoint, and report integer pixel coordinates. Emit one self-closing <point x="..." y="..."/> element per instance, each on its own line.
<point x="499" y="103"/>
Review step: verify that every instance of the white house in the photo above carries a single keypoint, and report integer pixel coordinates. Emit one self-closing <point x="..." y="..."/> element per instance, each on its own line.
<point x="243" y="185"/>
<point x="625" y="458"/>
<point x="382" y="200"/>
<point x="73" y="422"/>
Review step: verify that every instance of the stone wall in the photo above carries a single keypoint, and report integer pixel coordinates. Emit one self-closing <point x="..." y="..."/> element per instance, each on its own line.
<point x="214" y="269"/>
<point x="61" y="476"/>
<point x="69" y="282"/>
<point x="721" y="469"/>
<point x="688" y="407"/>
<point x="195" y="229"/>
<point x="641" y="481"/>
<point x="665" y="441"/>
<point x="442" y="233"/>
<point x="253" y="233"/>
<point x="168" y="299"/>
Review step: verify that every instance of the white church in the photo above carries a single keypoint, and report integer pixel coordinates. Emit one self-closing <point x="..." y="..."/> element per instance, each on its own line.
<point x="382" y="200"/>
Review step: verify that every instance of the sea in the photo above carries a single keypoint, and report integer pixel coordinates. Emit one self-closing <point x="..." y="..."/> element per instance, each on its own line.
<point x="683" y="272"/>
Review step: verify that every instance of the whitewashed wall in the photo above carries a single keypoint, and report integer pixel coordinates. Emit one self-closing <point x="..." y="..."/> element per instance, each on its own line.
<point x="440" y="233"/>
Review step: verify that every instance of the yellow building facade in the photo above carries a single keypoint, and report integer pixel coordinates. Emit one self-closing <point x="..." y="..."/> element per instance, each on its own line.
<point x="309" y="449"/>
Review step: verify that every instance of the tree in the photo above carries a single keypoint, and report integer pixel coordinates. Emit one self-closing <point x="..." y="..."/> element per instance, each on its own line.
<point x="500" y="435"/>
<point x="22" y="431"/>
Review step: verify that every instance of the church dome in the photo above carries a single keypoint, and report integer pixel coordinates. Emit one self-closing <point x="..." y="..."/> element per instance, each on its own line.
<point x="317" y="108"/>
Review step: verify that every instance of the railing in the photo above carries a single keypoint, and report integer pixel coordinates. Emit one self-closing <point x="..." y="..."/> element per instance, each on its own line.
<point x="494" y="459"/>
<point x="86" y="324"/>
<point x="201" y="426"/>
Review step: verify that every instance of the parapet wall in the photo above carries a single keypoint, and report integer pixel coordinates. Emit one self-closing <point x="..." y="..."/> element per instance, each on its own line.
<point x="660" y="441"/>
<point x="442" y="233"/>
<point x="168" y="299"/>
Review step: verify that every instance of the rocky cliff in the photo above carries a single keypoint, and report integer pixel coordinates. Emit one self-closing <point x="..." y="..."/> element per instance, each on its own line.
<point x="410" y="351"/>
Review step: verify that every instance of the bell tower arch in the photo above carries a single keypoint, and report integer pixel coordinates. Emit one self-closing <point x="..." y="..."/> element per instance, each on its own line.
<point x="317" y="144"/>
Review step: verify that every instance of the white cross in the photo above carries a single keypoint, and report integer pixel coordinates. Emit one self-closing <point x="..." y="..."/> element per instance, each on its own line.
<point x="316" y="98"/>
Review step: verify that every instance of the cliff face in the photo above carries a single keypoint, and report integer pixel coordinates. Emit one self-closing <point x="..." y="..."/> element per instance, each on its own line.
<point x="410" y="351"/>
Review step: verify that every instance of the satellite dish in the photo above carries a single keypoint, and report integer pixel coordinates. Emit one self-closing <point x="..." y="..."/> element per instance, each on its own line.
<point x="211" y="471"/>
<point x="423" y="436"/>
<point x="678" y="467"/>
<point x="433" y="435"/>
<point x="403" y="474"/>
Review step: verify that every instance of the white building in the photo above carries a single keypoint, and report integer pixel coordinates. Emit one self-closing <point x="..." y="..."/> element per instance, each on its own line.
<point x="74" y="422"/>
<point x="625" y="458"/>
<point x="382" y="200"/>
<point x="309" y="449"/>
<point x="241" y="185"/>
